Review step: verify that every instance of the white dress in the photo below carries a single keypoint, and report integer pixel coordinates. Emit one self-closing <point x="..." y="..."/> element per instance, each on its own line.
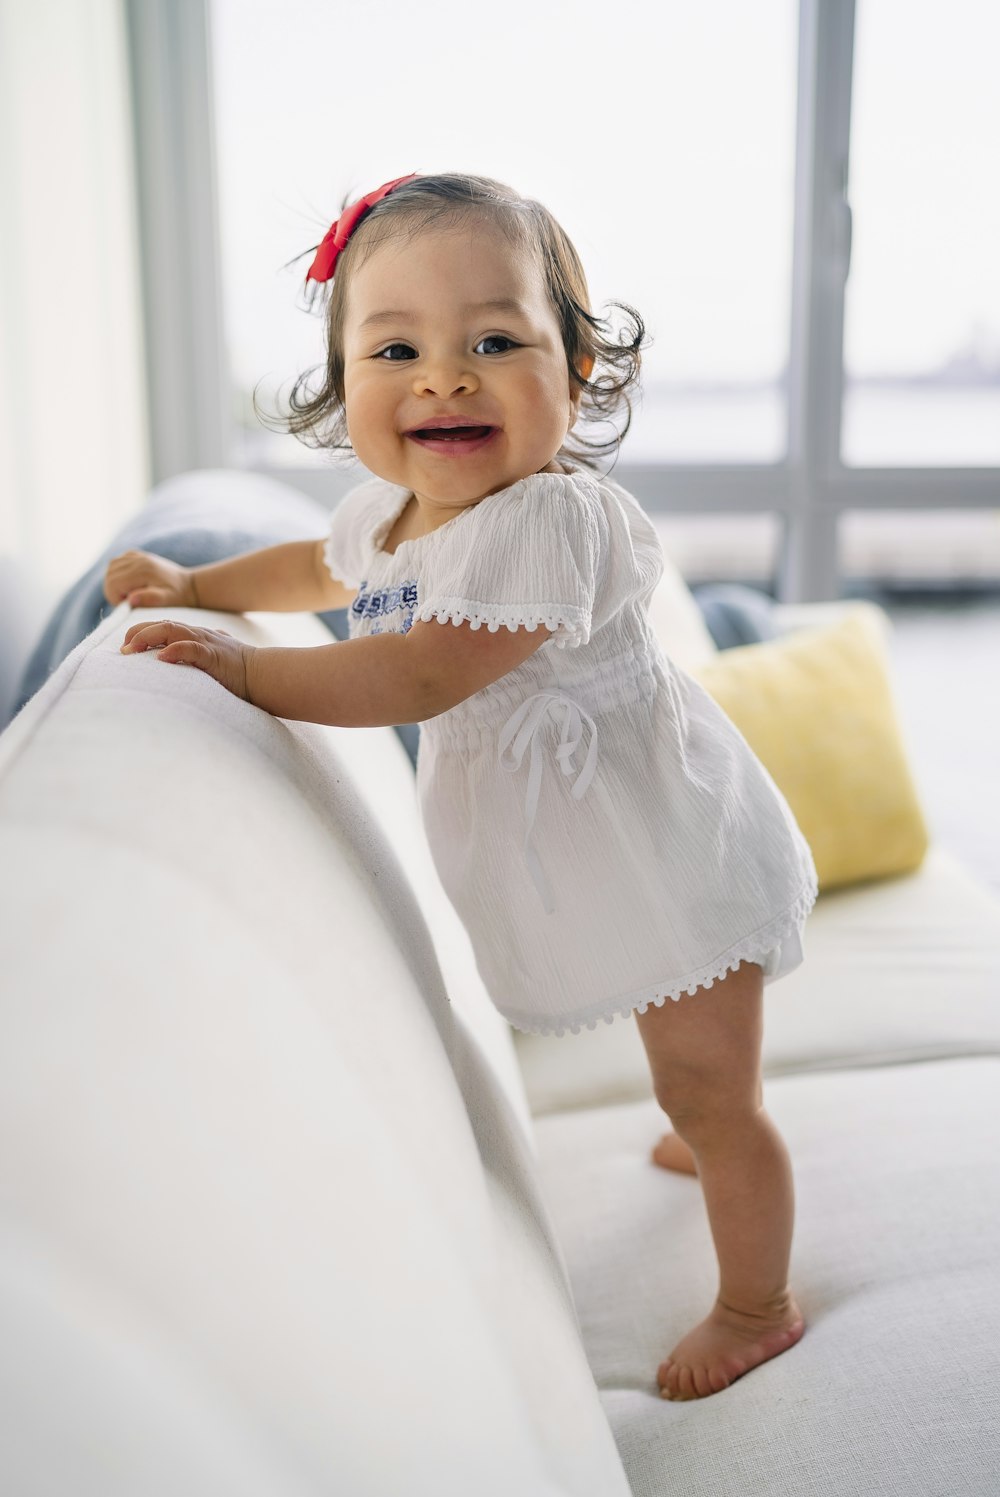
<point x="605" y="833"/>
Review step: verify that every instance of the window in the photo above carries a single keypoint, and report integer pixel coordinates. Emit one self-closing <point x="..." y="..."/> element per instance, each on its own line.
<point x="921" y="550"/>
<point x="922" y="315"/>
<point x="663" y="140"/>
<point x="703" y="177"/>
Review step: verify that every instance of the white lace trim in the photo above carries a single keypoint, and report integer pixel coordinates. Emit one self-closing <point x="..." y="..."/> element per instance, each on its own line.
<point x="570" y="625"/>
<point x="750" y="949"/>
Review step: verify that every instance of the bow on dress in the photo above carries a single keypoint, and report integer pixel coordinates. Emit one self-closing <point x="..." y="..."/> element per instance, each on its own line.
<point x="524" y="728"/>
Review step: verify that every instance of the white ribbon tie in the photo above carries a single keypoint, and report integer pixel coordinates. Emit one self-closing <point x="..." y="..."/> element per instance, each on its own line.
<point x="524" y="727"/>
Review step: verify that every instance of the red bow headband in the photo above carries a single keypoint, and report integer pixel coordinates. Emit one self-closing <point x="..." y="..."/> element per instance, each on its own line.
<point x="336" y="237"/>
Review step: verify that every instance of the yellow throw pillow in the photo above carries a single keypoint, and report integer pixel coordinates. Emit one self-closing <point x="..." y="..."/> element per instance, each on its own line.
<point x="817" y="709"/>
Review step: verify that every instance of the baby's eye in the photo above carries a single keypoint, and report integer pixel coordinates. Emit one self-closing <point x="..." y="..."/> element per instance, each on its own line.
<point x="490" y="342"/>
<point x="396" y="351"/>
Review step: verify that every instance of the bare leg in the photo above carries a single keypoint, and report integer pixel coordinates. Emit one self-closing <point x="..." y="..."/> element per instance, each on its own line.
<point x="704" y="1054"/>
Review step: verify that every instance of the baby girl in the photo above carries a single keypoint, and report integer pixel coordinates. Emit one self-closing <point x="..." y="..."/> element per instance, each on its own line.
<point x="605" y="833"/>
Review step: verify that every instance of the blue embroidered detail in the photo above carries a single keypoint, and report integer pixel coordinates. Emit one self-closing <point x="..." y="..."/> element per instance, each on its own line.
<point x="381" y="602"/>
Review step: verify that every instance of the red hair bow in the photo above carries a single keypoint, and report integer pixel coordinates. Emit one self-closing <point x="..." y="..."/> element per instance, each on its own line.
<point x="336" y="237"/>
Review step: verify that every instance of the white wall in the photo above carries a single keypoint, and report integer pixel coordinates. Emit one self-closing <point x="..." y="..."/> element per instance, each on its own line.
<point x="73" y="446"/>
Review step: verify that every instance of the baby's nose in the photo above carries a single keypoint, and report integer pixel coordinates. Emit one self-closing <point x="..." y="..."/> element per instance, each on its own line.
<point x="445" y="378"/>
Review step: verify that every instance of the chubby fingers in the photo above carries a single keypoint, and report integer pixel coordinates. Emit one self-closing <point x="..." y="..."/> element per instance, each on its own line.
<point x="175" y="644"/>
<point x="189" y="652"/>
<point x="147" y="597"/>
<point x="124" y="574"/>
<point x="213" y="651"/>
<point x="155" y="636"/>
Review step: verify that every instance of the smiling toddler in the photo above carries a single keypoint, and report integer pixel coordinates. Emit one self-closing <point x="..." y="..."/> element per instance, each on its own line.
<point x="610" y="841"/>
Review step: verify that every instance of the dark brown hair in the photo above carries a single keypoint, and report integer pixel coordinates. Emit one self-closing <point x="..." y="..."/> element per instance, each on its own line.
<point x="316" y="415"/>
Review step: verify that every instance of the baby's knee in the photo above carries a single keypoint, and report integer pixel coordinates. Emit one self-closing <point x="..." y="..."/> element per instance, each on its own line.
<point x="702" y="1102"/>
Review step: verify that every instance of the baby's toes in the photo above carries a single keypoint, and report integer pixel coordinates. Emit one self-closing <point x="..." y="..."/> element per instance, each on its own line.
<point x="720" y="1377"/>
<point x="677" y="1383"/>
<point x="684" y="1381"/>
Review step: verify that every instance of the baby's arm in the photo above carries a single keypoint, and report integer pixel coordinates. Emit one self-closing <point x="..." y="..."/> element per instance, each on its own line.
<point x="291" y="578"/>
<point x="377" y="681"/>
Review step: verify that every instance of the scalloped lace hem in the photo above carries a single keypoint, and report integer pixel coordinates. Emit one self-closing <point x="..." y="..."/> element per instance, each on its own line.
<point x="570" y="625"/>
<point x="751" y="949"/>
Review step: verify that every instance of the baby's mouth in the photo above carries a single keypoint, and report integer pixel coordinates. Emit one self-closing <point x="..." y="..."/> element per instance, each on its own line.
<point x="452" y="441"/>
<point x="450" y="433"/>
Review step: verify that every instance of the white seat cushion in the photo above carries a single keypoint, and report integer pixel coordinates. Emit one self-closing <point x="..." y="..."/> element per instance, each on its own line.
<point x="895" y="970"/>
<point x="893" y="1387"/>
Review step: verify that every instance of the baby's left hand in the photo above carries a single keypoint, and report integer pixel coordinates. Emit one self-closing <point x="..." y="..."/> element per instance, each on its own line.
<point x="210" y="650"/>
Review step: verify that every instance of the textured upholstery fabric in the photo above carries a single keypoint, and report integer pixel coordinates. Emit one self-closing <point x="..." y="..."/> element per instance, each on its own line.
<point x="254" y="1160"/>
<point x="892" y="1390"/>
<point x="816" y="707"/>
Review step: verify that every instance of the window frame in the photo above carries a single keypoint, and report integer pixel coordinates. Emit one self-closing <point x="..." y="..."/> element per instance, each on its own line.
<point x="808" y="490"/>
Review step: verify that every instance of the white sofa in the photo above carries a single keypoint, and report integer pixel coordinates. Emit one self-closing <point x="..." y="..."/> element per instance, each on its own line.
<point x="286" y="1211"/>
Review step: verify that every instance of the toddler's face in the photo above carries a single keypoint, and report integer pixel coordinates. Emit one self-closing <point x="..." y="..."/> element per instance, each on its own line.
<point x="455" y="376"/>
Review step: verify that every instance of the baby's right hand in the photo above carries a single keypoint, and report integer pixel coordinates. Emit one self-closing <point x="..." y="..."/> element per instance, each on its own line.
<point x="147" y="581"/>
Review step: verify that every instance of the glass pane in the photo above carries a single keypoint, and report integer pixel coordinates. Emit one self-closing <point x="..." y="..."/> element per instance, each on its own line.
<point x="670" y="165"/>
<point x="741" y="548"/>
<point x="922" y="330"/>
<point x="921" y="550"/>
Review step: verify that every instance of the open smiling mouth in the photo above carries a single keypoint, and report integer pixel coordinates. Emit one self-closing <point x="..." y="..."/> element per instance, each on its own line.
<point x="454" y="435"/>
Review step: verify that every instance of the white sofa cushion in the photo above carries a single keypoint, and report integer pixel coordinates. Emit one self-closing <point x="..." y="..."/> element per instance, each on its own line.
<point x="257" y="1146"/>
<point x="895" y="970"/>
<point x="892" y="1390"/>
<point x="275" y="1298"/>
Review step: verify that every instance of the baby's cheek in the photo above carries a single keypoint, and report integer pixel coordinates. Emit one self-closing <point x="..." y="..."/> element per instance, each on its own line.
<point x="369" y="421"/>
<point x="359" y="432"/>
<point x="550" y="415"/>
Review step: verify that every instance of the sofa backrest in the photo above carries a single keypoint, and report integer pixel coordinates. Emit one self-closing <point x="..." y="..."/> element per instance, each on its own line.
<point x="272" y="1223"/>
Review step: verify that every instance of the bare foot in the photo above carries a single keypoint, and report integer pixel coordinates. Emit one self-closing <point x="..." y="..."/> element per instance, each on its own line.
<point x="726" y="1345"/>
<point x="672" y="1153"/>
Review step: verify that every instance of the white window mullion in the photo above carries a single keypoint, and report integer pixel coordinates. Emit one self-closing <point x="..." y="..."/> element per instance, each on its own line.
<point x="809" y="564"/>
<point x="173" y="119"/>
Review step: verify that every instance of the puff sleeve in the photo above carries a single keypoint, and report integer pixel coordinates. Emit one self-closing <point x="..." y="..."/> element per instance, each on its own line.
<point x="525" y="557"/>
<point x="348" y="546"/>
